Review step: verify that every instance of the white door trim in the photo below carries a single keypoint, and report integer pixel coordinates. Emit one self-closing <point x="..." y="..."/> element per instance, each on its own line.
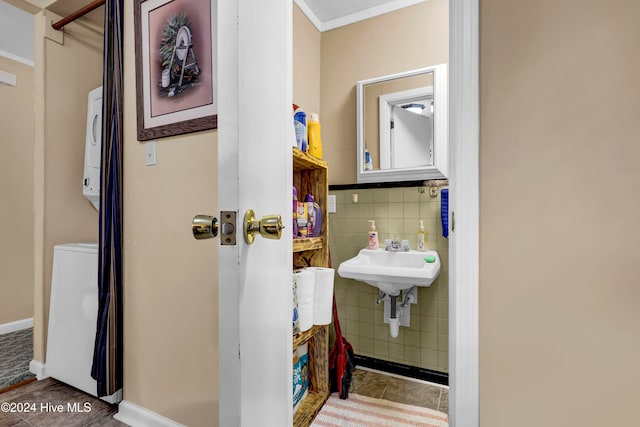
<point x="464" y="134"/>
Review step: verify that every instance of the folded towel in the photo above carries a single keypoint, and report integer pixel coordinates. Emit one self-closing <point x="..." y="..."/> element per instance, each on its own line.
<point x="444" y="211"/>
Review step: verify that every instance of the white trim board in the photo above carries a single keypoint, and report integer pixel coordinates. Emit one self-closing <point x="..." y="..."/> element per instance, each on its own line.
<point x="137" y="416"/>
<point x="16" y="58"/>
<point x="464" y="143"/>
<point x="7" y="328"/>
<point x="38" y="369"/>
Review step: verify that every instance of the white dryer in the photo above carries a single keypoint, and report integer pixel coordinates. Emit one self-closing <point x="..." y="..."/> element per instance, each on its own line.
<point x="73" y="313"/>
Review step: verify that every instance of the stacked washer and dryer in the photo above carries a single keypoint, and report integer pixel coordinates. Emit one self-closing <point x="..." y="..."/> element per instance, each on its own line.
<point x="73" y="309"/>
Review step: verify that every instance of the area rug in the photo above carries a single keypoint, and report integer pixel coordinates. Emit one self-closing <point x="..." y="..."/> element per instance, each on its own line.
<point x="363" y="411"/>
<point x="16" y="351"/>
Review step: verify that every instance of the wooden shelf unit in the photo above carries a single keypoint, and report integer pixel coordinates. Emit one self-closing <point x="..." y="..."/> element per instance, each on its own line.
<point x="310" y="177"/>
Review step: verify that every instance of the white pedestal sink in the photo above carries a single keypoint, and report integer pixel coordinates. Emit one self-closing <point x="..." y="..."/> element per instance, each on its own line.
<point x="391" y="272"/>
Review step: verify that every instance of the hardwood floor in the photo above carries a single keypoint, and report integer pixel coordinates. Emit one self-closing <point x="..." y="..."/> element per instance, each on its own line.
<point x="51" y="403"/>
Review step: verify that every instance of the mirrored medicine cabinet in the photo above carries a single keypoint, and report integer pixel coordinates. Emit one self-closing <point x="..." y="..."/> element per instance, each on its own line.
<point x="402" y="126"/>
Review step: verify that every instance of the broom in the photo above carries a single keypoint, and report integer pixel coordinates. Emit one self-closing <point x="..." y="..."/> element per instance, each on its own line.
<point x="341" y="357"/>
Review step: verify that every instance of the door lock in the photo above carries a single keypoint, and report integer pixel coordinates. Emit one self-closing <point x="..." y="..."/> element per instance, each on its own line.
<point x="204" y="227"/>
<point x="269" y="226"/>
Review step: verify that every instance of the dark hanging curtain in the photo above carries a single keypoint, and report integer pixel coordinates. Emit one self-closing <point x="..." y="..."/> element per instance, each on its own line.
<point x="107" y="353"/>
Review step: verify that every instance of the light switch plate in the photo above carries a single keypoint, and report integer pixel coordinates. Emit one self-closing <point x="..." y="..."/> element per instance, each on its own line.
<point x="151" y="153"/>
<point x="331" y="203"/>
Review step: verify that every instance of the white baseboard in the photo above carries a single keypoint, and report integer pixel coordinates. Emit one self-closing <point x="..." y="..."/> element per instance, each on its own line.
<point x="38" y="368"/>
<point x="137" y="416"/>
<point x="18" y="325"/>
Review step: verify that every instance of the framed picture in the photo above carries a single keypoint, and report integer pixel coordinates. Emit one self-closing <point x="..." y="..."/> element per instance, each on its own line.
<point x="175" y="67"/>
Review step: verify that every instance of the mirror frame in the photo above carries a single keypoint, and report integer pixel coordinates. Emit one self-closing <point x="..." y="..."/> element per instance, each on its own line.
<point x="439" y="169"/>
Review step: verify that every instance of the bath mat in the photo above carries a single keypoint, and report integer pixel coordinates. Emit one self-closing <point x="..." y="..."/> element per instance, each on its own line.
<point x="363" y="411"/>
<point x="16" y="351"/>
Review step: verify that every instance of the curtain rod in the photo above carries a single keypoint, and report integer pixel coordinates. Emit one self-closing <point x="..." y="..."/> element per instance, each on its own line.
<point x="77" y="14"/>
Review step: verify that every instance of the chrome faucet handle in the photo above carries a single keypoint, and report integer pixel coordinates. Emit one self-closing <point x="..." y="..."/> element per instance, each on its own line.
<point x="392" y="245"/>
<point x="405" y="245"/>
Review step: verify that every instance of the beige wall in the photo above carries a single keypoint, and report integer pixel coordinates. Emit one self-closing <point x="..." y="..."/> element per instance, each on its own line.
<point x="372" y="48"/>
<point x="170" y="280"/>
<point x="559" y="210"/>
<point x="16" y="190"/>
<point x="67" y="72"/>
<point x="306" y="63"/>
<point x="397" y="212"/>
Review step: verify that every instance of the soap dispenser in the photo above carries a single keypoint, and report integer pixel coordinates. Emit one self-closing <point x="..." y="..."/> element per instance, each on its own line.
<point x="373" y="236"/>
<point x="422" y="238"/>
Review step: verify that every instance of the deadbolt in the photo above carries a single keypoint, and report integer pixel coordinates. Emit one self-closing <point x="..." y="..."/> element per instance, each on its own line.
<point x="204" y="227"/>
<point x="269" y="227"/>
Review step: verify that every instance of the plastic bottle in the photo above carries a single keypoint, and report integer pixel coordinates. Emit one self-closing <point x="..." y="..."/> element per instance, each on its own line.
<point x="314" y="224"/>
<point x="302" y="218"/>
<point x="368" y="164"/>
<point x="314" y="139"/>
<point x="373" y="236"/>
<point x="422" y="238"/>
<point x="300" y="124"/>
<point x="295" y="212"/>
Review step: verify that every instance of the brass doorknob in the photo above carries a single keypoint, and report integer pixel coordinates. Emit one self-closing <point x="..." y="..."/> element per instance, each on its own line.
<point x="204" y="227"/>
<point x="269" y="227"/>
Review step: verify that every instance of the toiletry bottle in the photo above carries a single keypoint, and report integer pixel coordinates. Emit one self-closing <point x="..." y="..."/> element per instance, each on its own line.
<point x="300" y="123"/>
<point x="302" y="218"/>
<point x="314" y="140"/>
<point x="311" y="214"/>
<point x="295" y="212"/>
<point x="368" y="164"/>
<point x="422" y="238"/>
<point x="373" y="236"/>
<point x="314" y="224"/>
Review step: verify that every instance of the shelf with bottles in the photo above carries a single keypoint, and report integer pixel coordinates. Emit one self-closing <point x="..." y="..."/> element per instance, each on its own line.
<point x="310" y="176"/>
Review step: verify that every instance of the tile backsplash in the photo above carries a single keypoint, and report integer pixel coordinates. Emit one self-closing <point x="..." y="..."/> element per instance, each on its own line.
<point x="397" y="213"/>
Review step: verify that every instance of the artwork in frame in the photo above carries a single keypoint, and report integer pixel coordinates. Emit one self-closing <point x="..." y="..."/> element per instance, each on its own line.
<point x="175" y="67"/>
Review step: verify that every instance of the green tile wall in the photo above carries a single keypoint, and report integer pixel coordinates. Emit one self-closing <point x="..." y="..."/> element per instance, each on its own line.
<point x="397" y="212"/>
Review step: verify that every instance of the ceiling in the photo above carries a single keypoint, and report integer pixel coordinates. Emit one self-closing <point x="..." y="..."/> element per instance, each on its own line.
<point x="324" y="14"/>
<point x="330" y="14"/>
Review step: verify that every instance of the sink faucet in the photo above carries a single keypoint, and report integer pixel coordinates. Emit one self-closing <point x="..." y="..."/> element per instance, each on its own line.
<point x="396" y="245"/>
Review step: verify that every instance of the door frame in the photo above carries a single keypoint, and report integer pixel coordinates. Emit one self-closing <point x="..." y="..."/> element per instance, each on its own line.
<point x="463" y="219"/>
<point x="464" y="213"/>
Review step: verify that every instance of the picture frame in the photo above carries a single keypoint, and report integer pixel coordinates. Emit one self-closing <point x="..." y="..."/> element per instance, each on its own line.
<point x="175" y="55"/>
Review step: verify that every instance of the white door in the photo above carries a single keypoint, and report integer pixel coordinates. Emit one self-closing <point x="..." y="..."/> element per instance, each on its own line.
<point x="255" y="172"/>
<point x="410" y="139"/>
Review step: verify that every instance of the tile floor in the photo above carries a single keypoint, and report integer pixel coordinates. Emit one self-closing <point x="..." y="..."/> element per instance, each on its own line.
<point x="43" y="396"/>
<point x="412" y="392"/>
